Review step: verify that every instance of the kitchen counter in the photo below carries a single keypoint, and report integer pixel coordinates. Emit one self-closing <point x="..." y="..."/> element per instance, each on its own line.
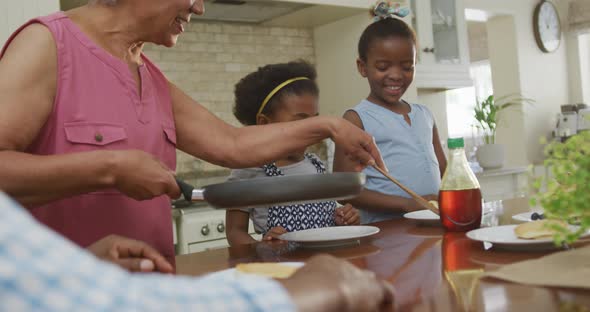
<point x="431" y="270"/>
<point x="502" y="171"/>
<point x="503" y="183"/>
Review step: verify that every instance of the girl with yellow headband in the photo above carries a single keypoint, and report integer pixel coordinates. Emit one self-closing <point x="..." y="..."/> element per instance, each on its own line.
<point x="273" y="94"/>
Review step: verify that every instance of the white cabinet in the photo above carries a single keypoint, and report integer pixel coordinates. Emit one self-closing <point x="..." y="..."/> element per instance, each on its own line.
<point x="442" y="56"/>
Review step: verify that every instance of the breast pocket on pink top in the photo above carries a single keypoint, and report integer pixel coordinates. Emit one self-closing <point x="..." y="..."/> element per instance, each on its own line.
<point x="170" y="134"/>
<point x="94" y="134"/>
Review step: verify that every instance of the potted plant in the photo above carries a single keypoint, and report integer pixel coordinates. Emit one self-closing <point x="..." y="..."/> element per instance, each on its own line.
<point x="491" y="155"/>
<point x="566" y="196"/>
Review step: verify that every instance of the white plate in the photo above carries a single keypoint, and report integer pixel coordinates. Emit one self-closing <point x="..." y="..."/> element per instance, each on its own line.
<point x="230" y="274"/>
<point x="423" y="216"/>
<point x="330" y="236"/>
<point x="525" y="216"/>
<point x="503" y="237"/>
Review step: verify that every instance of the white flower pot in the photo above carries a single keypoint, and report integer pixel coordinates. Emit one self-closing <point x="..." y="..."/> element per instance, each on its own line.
<point x="490" y="156"/>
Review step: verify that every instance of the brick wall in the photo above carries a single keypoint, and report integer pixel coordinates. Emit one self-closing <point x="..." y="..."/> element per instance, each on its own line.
<point x="211" y="57"/>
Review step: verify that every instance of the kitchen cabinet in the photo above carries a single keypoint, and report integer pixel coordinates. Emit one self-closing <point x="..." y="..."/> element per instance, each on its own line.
<point x="442" y="52"/>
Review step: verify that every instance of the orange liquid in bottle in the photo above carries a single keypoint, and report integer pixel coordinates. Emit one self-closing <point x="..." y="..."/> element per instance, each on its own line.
<point x="460" y="210"/>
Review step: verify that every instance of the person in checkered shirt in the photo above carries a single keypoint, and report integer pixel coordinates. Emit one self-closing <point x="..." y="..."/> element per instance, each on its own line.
<point x="41" y="271"/>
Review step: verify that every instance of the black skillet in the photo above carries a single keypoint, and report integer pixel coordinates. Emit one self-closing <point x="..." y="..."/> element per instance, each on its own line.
<point x="277" y="190"/>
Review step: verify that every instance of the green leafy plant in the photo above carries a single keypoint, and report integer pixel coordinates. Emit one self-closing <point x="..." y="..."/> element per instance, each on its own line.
<point x="486" y="113"/>
<point x="567" y="194"/>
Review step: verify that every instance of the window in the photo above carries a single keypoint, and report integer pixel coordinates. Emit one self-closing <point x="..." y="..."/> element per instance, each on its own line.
<point x="462" y="101"/>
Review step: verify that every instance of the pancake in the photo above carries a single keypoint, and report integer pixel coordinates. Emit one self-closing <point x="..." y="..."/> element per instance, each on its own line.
<point x="537" y="229"/>
<point x="268" y="269"/>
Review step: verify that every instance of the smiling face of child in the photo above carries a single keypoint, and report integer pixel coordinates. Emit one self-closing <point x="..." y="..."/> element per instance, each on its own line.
<point x="389" y="68"/>
<point x="292" y="107"/>
<point x="295" y="107"/>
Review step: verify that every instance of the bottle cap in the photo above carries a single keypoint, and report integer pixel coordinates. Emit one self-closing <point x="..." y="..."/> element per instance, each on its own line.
<point x="455" y="143"/>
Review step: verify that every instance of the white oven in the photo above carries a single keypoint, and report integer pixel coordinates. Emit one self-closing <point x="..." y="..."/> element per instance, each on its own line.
<point x="200" y="227"/>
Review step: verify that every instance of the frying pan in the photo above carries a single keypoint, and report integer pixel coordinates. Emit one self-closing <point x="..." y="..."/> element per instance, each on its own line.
<point x="277" y="190"/>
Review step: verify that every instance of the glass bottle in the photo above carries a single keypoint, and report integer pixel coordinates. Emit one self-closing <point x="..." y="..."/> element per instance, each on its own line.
<point x="460" y="195"/>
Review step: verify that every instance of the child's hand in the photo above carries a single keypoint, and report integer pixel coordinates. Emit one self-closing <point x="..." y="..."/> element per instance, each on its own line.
<point x="347" y="215"/>
<point x="274" y="233"/>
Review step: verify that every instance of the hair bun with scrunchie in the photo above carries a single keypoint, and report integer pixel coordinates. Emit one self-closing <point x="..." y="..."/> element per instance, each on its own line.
<point x="388" y="9"/>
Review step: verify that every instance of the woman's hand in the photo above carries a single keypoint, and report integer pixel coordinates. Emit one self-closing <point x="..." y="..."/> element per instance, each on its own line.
<point x="326" y="283"/>
<point x="274" y="233"/>
<point x="142" y="176"/>
<point x="347" y="215"/>
<point x="357" y="145"/>
<point x="130" y="254"/>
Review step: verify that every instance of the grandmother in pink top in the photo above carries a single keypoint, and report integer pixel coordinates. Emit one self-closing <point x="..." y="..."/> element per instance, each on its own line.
<point x="89" y="125"/>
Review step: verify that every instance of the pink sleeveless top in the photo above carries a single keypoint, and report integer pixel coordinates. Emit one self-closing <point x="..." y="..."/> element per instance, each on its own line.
<point x="97" y="107"/>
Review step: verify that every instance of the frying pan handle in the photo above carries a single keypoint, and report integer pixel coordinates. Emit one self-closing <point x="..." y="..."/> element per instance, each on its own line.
<point x="198" y="195"/>
<point x="189" y="193"/>
<point x="186" y="189"/>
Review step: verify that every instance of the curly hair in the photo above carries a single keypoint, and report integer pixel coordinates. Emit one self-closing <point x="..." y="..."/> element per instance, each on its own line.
<point x="251" y="90"/>
<point x="381" y="29"/>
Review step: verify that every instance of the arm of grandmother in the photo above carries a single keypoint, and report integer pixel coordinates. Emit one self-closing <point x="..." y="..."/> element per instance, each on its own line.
<point x="28" y="72"/>
<point x="207" y="137"/>
<point x="57" y="267"/>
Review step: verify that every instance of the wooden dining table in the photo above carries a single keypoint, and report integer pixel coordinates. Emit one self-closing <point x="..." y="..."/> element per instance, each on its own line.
<point x="430" y="269"/>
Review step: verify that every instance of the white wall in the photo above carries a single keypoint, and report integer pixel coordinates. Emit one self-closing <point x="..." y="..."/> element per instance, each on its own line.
<point x="17" y="12"/>
<point x="519" y="66"/>
<point x="478" y="41"/>
<point x="504" y="62"/>
<point x="436" y="101"/>
<point x="584" y="50"/>
<point x="341" y="86"/>
<point x="574" y="53"/>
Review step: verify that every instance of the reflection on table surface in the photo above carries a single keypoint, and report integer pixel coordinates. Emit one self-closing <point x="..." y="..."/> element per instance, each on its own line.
<point x="430" y="269"/>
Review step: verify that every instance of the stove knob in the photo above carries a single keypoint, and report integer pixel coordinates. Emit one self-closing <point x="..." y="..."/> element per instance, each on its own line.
<point x="205" y="230"/>
<point x="220" y="227"/>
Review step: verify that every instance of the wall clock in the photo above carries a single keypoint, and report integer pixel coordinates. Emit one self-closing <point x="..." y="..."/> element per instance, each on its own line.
<point x="547" y="26"/>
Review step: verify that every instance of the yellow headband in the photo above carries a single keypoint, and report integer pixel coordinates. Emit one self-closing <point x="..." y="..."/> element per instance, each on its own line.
<point x="277" y="89"/>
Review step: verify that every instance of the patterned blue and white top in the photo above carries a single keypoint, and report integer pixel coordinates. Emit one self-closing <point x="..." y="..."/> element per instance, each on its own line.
<point x="291" y="217"/>
<point x="41" y="271"/>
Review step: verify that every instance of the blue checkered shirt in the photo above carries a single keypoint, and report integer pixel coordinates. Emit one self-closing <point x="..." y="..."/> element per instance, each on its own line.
<point x="41" y="271"/>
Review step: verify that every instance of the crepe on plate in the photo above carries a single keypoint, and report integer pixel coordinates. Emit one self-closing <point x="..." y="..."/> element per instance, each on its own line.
<point x="537" y="229"/>
<point x="268" y="269"/>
